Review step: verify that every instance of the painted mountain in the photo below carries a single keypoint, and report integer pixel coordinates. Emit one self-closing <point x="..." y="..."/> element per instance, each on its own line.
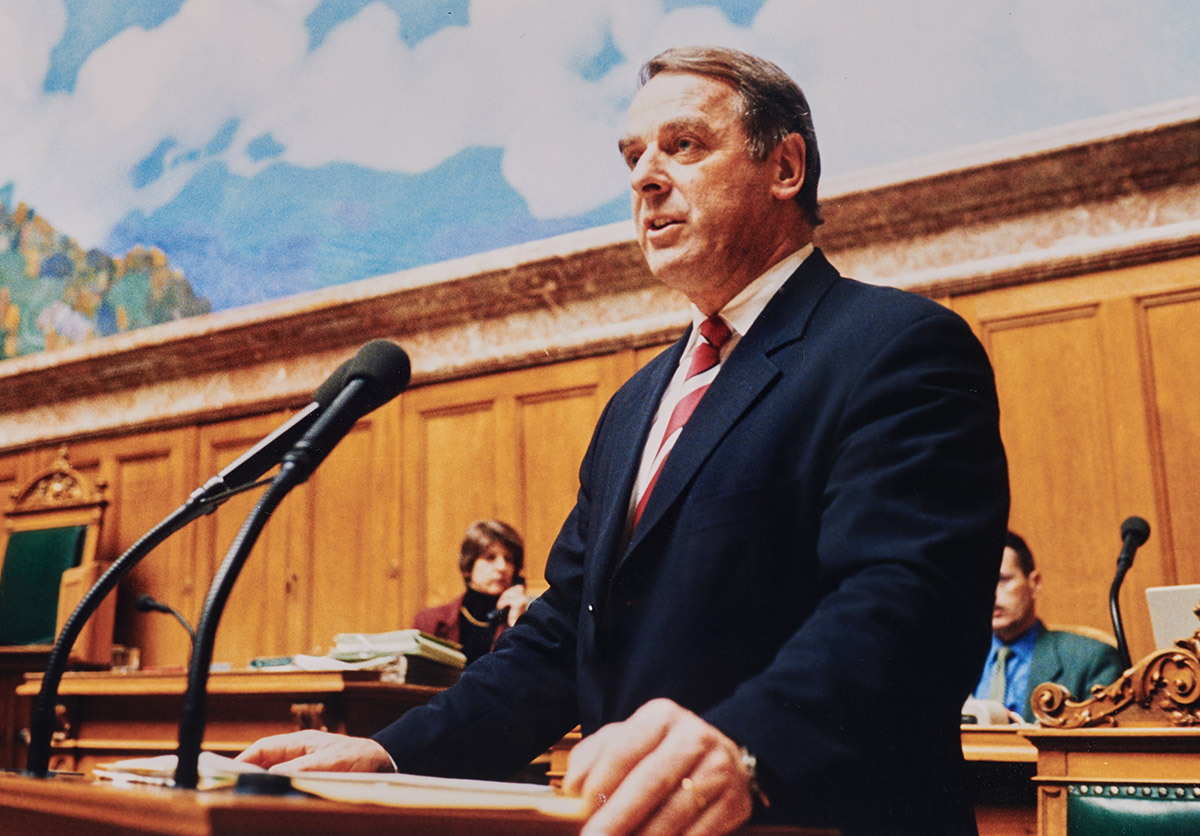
<point x="54" y="293"/>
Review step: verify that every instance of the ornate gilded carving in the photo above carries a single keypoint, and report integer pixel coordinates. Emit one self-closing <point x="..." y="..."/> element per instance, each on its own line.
<point x="1163" y="689"/>
<point x="60" y="486"/>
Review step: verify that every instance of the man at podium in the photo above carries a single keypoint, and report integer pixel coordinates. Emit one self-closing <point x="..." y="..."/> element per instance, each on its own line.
<point x="774" y="586"/>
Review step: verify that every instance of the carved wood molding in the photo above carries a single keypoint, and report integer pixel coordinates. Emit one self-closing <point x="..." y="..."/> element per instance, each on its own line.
<point x="59" y="486"/>
<point x="1162" y="690"/>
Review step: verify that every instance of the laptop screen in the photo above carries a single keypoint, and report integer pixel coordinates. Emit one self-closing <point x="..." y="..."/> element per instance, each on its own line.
<point x="1172" y="612"/>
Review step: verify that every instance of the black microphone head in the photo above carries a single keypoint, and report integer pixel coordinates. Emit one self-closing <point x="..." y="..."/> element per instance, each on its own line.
<point x="333" y="384"/>
<point x="1135" y="529"/>
<point x="384" y="367"/>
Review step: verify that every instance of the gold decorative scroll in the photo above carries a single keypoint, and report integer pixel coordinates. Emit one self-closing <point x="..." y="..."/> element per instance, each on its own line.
<point x="1163" y="689"/>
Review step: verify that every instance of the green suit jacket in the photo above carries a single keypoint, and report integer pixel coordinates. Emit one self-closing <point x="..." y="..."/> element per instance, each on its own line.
<point x="1076" y="662"/>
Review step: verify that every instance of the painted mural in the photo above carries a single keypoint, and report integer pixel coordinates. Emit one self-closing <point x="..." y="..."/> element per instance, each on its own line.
<point x="161" y="159"/>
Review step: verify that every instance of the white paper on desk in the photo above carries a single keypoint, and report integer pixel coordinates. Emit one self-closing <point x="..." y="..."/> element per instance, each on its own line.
<point x="989" y="712"/>
<point x="402" y="790"/>
<point x="214" y="770"/>
<point x="387" y="788"/>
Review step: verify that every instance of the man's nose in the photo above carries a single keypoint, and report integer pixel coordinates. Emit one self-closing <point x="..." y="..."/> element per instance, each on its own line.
<point x="649" y="174"/>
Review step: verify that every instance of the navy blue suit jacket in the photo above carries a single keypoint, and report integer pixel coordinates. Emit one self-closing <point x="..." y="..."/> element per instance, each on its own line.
<point x="813" y="573"/>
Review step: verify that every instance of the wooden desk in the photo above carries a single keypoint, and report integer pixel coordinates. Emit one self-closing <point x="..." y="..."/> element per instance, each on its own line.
<point x="104" y="716"/>
<point x="15" y="662"/>
<point x="51" y="807"/>
<point x="1001" y="764"/>
<point x="1109" y="757"/>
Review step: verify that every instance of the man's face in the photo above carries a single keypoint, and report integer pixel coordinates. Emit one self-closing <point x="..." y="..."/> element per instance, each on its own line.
<point x="702" y="207"/>
<point x="1013" y="612"/>
<point x="492" y="572"/>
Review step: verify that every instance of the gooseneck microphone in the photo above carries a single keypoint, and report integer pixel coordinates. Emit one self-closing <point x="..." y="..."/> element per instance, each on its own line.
<point x="248" y="467"/>
<point x="238" y="476"/>
<point x="374" y="376"/>
<point x="1134" y="532"/>
<point x="148" y="603"/>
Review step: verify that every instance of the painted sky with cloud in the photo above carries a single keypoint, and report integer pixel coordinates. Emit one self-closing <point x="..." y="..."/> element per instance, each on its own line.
<point x="276" y="146"/>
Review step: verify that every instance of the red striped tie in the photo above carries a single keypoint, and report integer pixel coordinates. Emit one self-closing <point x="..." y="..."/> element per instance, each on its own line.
<point x="706" y="356"/>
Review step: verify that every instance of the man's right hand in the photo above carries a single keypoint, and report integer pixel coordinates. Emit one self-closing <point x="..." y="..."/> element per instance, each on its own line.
<point x="317" y="751"/>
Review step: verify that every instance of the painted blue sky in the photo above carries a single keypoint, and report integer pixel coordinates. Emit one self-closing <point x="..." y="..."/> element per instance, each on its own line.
<point x="276" y="146"/>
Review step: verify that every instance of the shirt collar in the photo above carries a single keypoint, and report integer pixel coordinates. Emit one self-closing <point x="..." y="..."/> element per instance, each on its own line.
<point x="1023" y="644"/>
<point x="741" y="311"/>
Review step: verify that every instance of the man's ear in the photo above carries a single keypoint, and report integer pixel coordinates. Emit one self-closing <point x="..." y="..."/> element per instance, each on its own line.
<point x="788" y="157"/>
<point x="1035" y="583"/>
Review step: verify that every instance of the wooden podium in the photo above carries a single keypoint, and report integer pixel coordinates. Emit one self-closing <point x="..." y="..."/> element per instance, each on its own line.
<point x="69" y="807"/>
<point x="1136" y="738"/>
<point x="1001" y="764"/>
<point x="104" y="716"/>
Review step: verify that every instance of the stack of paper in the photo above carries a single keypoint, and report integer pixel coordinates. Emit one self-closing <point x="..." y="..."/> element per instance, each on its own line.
<point x="357" y="647"/>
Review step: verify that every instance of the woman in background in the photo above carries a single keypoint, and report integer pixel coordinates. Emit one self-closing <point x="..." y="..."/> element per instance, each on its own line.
<point x="490" y="559"/>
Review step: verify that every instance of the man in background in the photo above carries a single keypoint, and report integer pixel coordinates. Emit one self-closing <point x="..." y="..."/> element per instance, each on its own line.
<point x="1024" y="653"/>
<point x="773" y="588"/>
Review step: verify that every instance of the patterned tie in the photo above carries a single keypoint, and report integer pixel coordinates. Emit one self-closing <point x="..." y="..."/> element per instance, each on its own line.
<point x="705" y="358"/>
<point x="999" y="681"/>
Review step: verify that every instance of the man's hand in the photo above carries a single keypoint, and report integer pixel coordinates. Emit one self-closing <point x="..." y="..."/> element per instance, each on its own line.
<point x="316" y="751"/>
<point x="662" y="771"/>
<point x="515" y="601"/>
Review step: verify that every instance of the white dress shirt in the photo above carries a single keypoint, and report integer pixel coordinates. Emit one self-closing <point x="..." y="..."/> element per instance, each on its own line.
<point x="739" y="314"/>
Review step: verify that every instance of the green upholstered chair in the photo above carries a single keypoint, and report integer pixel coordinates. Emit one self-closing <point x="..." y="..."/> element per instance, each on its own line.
<point x="1133" y="810"/>
<point x="49" y="534"/>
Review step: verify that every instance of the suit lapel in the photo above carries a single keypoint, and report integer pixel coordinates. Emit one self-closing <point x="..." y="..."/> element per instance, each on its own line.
<point x="626" y="457"/>
<point x="744" y="376"/>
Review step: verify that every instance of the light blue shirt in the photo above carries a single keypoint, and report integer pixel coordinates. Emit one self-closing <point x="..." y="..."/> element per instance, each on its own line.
<point x="1016" y="670"/>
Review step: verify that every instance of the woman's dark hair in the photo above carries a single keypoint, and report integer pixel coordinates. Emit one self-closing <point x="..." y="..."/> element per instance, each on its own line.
<point x="480" y="535"/>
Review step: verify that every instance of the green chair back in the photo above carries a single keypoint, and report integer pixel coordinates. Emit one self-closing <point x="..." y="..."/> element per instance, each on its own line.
<point x="29" y="582"/>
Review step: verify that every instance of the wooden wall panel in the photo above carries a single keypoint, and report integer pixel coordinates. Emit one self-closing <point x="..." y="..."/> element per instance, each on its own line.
<point x="453" y="473"/>
<point x="12" y="475"/>
<point x="1050" y="375"/>
<point x="254" y="620"/>
<point x="149" y="475"/>
<point x="1099" y="418"/>
<point x="508" y="446"/>
<point x="345" y="541"/>
<point x="1173" y="333"/>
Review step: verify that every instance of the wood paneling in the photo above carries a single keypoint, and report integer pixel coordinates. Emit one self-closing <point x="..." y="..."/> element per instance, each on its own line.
<point x="326" y="561"/>
<point x="346" y="529"/>
<point x="506" y="446"/>
<point x="1172" y="323"/>
<point x="255" y="620"/>
<point x="12" y="474"/>
<point x="1050" y="373"/>
<point x="149" y="475"/>
<point x="1096" y="380"/>
<point x="1099" y="418"/>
